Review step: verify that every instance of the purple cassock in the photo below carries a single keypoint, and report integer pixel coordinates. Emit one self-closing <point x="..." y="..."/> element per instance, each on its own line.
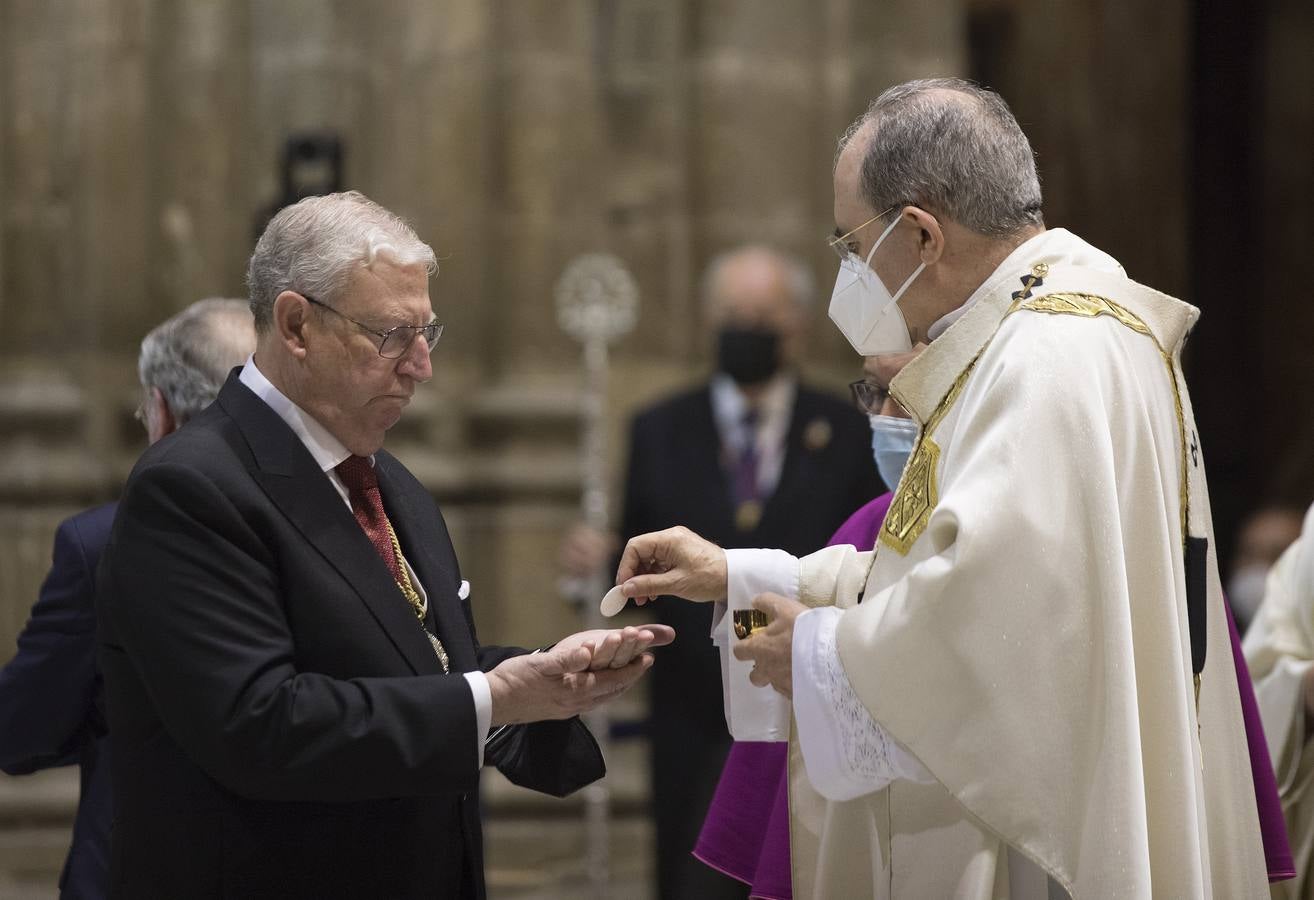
<point x="746" y="833"/>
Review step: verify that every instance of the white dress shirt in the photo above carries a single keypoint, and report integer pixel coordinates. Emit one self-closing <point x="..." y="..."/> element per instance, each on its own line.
<point x="774" y="408"/>
<point x="328" y="452"/>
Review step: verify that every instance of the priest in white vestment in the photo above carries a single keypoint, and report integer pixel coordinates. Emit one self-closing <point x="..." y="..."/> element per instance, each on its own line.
<point x="1027" y="689"/>
<point x="1279" y="648"/>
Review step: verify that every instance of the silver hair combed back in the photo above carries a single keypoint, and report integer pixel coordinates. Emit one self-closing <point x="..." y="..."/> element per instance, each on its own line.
<point x="802" y="284"/>
<point x="313" y="246"/>
<point x="189" y="356"/>
<point x="953" y="147"/>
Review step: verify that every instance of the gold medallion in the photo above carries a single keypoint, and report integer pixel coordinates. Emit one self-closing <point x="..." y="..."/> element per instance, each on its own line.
<point x="747" y="515"/>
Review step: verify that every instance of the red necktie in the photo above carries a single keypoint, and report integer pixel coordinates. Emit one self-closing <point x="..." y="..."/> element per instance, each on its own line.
<point x="367" y="506"/>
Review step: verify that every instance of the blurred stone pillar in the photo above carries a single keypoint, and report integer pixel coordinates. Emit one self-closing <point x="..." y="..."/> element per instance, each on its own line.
<point x="422" y="145"/>
<point x="200" y="198"/>
<point x="1101" y="88"/>
<point x="1284" y="232"/>
<point x="776" y="84"/>
<point x="75" y="227"/>
<point x="548" y="179"/>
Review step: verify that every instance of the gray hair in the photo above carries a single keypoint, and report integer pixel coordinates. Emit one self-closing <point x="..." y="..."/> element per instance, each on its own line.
<point x="951" y="147"/>
<point x="313" y="246"/>
<point x="798" y="276"/>
<point x="188" y="356"/>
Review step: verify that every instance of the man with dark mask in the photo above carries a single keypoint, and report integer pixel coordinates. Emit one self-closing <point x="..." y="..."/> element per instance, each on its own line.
<point x="751" y="458"/>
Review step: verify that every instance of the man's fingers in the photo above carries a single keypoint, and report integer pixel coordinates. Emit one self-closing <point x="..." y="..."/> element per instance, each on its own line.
<point x="556" y="663"/>
<point x="606" y="650"/>
<point x="661" y="634"/>
<point x="769" y="604"/>
<point x="745" y="650"/>
<point x="646" y="587"/>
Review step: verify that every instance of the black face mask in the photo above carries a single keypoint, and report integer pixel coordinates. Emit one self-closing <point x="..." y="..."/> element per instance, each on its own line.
<point x="748" y="355"/>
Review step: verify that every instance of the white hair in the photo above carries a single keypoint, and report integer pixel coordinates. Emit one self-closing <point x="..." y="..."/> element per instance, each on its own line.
<point x="189" y="356"/>
<point x="949" y="146"/>
<point x="313" y="246"/>
<point x="798" y="276"/>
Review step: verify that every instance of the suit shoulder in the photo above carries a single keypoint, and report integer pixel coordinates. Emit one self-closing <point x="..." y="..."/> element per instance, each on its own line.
<point x="90" y="529"/>
<point x="90" y="522"/>
<point x="814" y="402"/>
<point x="825" y="401"/>
<point x="679" y="405"/>
<point x="207" y="443"/>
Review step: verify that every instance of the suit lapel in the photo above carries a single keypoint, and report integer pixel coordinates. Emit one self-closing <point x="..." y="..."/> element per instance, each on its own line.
<point x="419" y="537"/>
<point x="296" y="485"/>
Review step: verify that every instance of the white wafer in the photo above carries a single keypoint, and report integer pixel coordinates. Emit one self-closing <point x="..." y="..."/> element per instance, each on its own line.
<point x="613" y="602"/>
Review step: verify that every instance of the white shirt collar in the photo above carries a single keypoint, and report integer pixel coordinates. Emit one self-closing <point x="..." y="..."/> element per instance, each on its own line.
<point x="729" y="404"/>
<point x="327" y="450"/>
<point x="1054" y="246"/>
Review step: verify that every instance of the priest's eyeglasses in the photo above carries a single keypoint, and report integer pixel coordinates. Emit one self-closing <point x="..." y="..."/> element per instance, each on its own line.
<point x="869" y="397"/>
<point x="394" y="342"/>
<point x="844" y="245"/>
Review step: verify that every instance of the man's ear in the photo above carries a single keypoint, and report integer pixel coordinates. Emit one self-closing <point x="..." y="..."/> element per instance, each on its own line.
<point x="160" y="420"/>
<point x="930" y="242"/>
<point x="290" y="314"/>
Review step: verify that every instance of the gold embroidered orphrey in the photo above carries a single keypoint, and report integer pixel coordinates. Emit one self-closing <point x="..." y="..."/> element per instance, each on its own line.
<point x="918" y="491"/>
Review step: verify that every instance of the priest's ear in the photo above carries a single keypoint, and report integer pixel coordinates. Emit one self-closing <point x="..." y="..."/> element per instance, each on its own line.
<point x="291" y="315"/>
<point x="930" y="239"/>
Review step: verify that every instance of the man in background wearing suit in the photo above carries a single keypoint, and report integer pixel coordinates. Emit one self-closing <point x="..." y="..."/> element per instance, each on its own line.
<point x="754" y="457"/>
<point x="299" y="701"/>
<point x="51" y="704"/>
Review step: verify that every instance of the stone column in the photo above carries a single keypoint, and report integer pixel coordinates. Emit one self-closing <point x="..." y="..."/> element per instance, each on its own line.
<point x="200" y="184"/>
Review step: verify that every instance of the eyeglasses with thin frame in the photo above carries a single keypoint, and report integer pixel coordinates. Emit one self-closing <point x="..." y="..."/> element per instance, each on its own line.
<point x="394" y="342"/>
<point x="841" y="243"/>
<point x="869" y="396"/>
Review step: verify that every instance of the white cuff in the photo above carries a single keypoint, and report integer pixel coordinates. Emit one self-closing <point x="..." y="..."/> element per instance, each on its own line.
<point x="483" y="704"/>
<point x="751" y="713"/>
<point x="846" y="753"/>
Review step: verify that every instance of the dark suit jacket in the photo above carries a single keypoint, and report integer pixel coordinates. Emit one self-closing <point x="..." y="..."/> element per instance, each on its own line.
<point x="677" y="476"/>
<point x="282" y="725"/>
<point x="51" y="700"/>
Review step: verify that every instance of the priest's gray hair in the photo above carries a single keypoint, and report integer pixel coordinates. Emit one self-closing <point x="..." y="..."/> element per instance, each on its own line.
<point x="798" y="275"/>
<point x="313" y="246"/>
<point x="189" y="356"/>
<point x="951" y="147"/>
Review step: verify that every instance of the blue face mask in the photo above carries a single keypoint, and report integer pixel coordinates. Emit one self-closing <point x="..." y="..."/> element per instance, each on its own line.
<point x="892" y="440"/>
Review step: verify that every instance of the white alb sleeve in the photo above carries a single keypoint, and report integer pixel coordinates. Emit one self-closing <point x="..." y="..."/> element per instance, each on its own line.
<point x="846" y="753"/>
<point x="751" y="713"/>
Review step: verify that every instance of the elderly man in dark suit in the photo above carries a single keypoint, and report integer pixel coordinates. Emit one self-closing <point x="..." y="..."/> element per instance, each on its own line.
<point x="757" y="459"/>
<point x="51" y="703"/>
<point x="300" y="704"/>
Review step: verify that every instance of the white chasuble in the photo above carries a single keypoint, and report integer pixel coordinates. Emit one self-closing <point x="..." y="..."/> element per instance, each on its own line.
<point x="1023" y="629"/>
<point x="1279" y="648"/>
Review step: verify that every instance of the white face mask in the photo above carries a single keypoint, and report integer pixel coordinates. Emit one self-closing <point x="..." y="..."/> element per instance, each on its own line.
<point x="864" y="309"/>
<point x="892" y="441"/>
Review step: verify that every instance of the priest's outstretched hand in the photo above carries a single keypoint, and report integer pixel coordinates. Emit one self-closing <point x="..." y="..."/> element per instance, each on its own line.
<point x="675" y="562"/>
